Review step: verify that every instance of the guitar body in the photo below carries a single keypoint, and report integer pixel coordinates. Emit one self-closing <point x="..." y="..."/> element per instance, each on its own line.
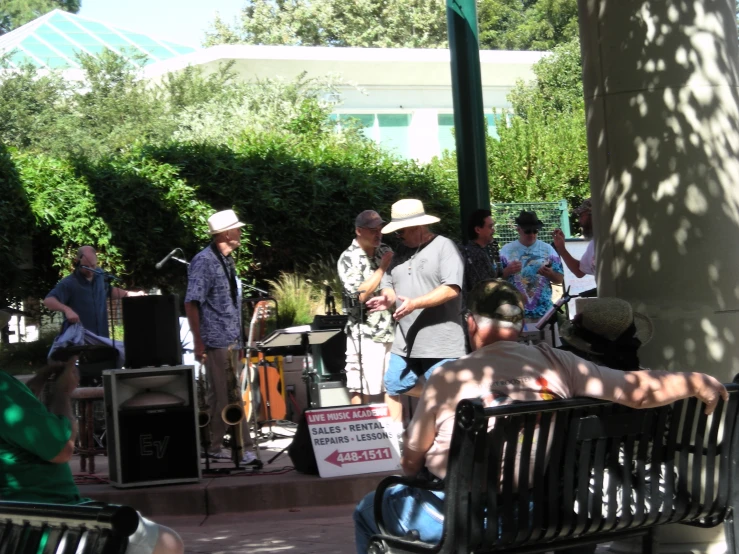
<point x="268" y="393"/>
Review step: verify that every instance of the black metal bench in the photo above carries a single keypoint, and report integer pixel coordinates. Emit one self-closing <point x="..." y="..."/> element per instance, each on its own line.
<point x="31" y="528"/>
<point x="594" y="468"/>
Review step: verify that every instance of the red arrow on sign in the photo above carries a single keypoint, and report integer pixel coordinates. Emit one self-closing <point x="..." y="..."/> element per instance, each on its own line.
<point x="333" y="458"/>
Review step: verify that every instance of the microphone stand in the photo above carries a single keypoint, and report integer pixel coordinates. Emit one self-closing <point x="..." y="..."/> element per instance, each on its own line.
<point x="108" y="279"/>
<point x="550" y="317"/>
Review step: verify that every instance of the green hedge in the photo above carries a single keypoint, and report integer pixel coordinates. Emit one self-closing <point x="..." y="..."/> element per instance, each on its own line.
<point x="299" y="195"/>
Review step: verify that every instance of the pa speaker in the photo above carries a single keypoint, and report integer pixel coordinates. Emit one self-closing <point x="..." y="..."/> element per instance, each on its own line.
<point x="151" y="419"/>
<point x="329" y="358"/>
<point x="151" y="331"/>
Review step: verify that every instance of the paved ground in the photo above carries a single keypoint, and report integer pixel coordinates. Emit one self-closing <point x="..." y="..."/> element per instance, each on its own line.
<point x="325" y="530"/>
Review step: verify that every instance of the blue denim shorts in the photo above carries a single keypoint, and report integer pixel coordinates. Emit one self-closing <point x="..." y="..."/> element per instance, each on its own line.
<point x="402" y="374"/>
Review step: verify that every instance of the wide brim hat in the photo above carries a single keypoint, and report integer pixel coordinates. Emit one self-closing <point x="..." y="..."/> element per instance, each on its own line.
<point x="586" y="206"/>
<point x="608" y="318"/>
<point x="408" y="213"/>
<point x="220" y="222"/>
<point x="529" y="219"/>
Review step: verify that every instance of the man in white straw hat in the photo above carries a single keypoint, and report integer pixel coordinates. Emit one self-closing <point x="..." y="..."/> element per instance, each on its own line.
<point x="213" y="308"/>
<point x="423" y="285"/>
<point x="501" y="370"/>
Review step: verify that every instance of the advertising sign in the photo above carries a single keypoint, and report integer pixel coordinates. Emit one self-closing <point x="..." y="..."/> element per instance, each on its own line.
<point x="350" y="440"/>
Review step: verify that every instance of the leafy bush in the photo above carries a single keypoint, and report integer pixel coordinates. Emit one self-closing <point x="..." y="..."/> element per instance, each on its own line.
<point x="296" y="299"/>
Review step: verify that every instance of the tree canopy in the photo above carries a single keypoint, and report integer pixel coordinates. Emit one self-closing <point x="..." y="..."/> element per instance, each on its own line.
<point x="504" y="24"/>
<point x="19" y="12"/>
<point x="541" y="152"/>
<point x="135" y="169"/>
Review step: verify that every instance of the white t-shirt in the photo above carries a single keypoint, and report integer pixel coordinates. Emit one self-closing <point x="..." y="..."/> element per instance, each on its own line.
<point x="587" y="262"/>
<point x="500" y="372"/>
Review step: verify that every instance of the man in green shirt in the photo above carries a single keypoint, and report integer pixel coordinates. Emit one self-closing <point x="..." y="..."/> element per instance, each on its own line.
<point x="36" y="445"/>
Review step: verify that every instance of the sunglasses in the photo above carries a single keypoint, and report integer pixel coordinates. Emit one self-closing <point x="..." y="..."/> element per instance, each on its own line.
<point x="530" y="230"/>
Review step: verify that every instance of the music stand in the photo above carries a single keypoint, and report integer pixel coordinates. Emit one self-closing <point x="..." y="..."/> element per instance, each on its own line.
<point x="304" y="337"/>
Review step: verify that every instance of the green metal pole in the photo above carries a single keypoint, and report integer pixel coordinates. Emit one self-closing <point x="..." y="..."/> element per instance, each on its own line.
<point x="469" y="113"/>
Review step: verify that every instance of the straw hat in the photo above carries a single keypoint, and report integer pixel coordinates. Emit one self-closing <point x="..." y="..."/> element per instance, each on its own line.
<point x="221" y="222"/>
<point x="607" y="318"/>
<point x="408" y="213"/>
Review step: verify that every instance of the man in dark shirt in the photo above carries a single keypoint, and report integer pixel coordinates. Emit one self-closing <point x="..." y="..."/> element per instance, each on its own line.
<point x="82" y="296"/>
<point x="213" y="308"/>
<point x="479" y="265"/>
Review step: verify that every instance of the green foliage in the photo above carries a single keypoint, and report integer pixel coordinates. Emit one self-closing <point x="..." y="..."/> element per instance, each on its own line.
<point x="542" y="151"/>
<point x="15" y="225"/>
<point x="526" y="24"/>
<point x="266" y="149"/>
<point x="19" y="12"/>
<point x="503" y="24"/>
<point x="296" y="297"/>
<point x="364" y="23"/>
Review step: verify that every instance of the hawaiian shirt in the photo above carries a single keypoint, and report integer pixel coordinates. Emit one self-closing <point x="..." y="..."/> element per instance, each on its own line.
<point x="212" y="283"/>
<point x="536" y="289"/>
<point x="478" y="266"/>
<point x="355" y="267"/>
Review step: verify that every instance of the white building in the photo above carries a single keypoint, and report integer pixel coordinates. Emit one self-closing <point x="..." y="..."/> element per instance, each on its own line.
<point x="402" y="97"/>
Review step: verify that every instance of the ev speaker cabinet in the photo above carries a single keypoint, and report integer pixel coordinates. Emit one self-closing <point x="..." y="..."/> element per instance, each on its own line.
<point x="327" y="394"/>
<point x="329" y="358"/>
<point x="151" y="417"/>
<point x="151" y="330"/>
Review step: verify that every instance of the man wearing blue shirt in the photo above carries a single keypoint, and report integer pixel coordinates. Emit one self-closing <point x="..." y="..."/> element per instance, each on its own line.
<point x="213" y="308"/>
<point x="82" y="296"/>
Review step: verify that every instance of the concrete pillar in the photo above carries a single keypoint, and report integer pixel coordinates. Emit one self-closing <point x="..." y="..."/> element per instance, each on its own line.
<point x="662" y="111"/>
<point x="663" y="138"/>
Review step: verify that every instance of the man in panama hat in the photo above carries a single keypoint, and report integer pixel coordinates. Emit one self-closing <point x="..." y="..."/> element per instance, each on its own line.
<point x="422" y="288"/>
<point x="213" y="308"/>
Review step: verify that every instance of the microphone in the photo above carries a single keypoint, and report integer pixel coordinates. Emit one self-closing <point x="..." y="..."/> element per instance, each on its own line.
<point x="104" y="274"/>
<point x="166" y="259"/>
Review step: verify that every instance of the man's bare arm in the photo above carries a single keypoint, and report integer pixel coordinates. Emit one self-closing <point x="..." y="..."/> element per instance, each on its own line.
<point x="192" y="311"/>
<point x="648" y="389"/>
<point x="412" y="461"/>
<point x="61" y="405"/>
<point x="438" y="296"/>
<point x="55" y="305"/>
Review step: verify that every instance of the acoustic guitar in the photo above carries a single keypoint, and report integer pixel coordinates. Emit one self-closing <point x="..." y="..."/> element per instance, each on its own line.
<point x="265" y="378"/>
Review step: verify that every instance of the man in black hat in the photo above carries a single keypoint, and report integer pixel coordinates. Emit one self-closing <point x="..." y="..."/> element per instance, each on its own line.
<point x="531" y="265"/>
